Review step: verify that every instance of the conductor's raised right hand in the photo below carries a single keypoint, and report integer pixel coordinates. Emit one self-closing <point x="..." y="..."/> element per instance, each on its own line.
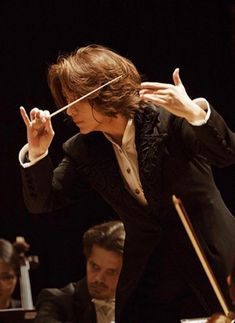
<point x="39" y="131"/>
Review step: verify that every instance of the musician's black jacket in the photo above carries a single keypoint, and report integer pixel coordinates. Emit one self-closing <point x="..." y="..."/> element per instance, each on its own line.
<point x="69" y="304"/>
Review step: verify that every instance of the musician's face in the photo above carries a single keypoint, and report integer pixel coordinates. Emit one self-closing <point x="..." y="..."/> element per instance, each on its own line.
<point x="8" y="281"/>
<point x="87" y="118"/>
<point x="85" y="115"/>
<point x="103" y="270"/>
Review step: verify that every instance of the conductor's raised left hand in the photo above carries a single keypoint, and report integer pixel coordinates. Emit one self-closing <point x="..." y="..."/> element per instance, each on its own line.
<point x="172" y="97"/>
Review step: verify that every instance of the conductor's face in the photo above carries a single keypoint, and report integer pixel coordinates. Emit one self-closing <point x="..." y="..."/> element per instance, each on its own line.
<point x="103" y="270"/>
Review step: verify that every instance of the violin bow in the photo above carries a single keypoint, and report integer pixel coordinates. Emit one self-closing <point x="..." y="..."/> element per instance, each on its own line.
<point x="201" y="255"/>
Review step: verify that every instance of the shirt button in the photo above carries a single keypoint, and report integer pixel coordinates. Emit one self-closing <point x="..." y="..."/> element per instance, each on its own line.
<point x="137" y="191"/>
<point x="128" y="170"/>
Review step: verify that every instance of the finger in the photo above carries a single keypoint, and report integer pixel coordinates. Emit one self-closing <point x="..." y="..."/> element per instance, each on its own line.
<point x="146" y="91"/>
<point x="35" y="113"/>
<point x="48" y="127"/>
<point x="39" y="115"/>
<point x="159" y="100"/>
<point x="25" y="116"/>
<point x="38" y="124"/>
<point x="154" y="85"/>
<point x="156" y="92"/>
<point x="38" y="119"/>
<point x="46" y="114"/>
<point x="42" y="122"/>
<point x="176" y="77"/>
<point x="48" y="120"/>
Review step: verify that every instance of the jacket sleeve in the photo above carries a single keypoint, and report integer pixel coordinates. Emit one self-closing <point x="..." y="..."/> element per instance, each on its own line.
<point x="213" y="140"/>
<point x="46" y="189"/>
<point x="55" y="305"/>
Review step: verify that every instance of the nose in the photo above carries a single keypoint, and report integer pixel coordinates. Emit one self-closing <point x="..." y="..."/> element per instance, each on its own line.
<point x="100" y="277"/>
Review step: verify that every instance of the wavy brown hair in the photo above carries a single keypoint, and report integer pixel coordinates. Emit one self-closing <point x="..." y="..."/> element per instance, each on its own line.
<point x="108" y="235"/>
<point x="89" y="67"/>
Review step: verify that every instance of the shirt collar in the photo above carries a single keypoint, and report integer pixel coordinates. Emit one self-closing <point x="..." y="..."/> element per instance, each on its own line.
<point x="128" y="136"/>
<point x="103" y="303"/>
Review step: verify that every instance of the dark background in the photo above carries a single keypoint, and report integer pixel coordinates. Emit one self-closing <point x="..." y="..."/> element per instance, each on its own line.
<point x="158" y="36"/>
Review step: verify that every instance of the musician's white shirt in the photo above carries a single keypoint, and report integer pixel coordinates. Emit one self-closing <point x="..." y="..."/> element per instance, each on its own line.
<point x="104" y="310"/>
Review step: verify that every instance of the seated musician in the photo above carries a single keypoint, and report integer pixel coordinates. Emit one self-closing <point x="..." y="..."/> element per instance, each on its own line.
<point x="92" y="299"/>
<point x="9" y="266"/>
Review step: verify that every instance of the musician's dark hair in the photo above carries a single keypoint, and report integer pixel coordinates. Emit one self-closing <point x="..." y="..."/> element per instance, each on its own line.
<point x="109" y="235"/>
<point x="87" y="68"/>
<point x="9" y="255"/>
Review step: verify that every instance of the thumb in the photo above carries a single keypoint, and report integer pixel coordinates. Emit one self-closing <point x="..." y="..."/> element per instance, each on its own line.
<point x="176" y="76"/>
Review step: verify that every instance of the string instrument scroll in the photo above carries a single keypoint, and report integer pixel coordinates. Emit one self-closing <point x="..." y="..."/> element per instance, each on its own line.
<point x="21" y="248"/>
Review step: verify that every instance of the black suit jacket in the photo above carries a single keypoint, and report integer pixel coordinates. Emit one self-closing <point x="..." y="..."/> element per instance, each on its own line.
<point x="174" y="157"/>
<point x="71" y="304"/>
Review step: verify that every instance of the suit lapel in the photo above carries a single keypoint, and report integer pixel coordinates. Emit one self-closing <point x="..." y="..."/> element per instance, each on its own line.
<point x="84" y="308"/>
<point x="105" y="167"/>
<point x="150" y="145"/>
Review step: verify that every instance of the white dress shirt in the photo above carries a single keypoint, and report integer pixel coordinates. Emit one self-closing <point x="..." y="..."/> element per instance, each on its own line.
<point x="126" y="155"/>
<point x="105" y="310"/>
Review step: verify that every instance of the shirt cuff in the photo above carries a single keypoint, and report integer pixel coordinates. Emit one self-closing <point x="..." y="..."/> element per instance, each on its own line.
<point x="23" y="153"/>
<point x="206" y="107"/>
